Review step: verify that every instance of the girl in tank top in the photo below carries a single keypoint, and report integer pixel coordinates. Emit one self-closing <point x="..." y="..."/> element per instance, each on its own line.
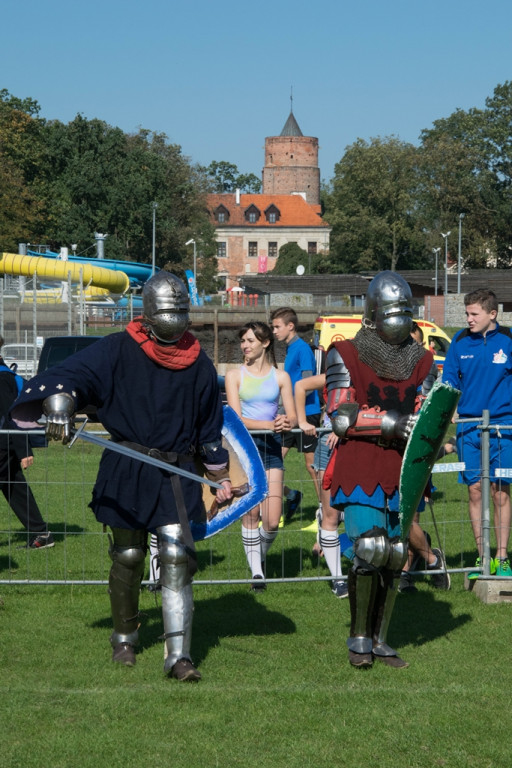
<point x="254" y="391"/>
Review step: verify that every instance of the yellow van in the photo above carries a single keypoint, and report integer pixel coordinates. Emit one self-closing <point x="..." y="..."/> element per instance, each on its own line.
<point x="331" y="328"/>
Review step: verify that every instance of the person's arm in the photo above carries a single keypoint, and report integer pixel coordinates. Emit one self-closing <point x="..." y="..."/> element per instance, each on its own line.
<point x="214" y="456"/>
<point x="451" y="371"/>
<point x="17" y="443"/>
<point x="288" y="420"/>
<point x="302" y="388"/>
<point x="352" y="419"/>
<point x="232" y="386"/>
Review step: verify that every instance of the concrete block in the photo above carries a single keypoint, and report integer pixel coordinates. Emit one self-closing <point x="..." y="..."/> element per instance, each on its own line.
<point x="490" y="590"/>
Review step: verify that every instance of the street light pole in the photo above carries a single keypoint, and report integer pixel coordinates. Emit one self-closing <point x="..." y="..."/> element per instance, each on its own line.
<point x="436" y="252"/>
<point x="153" y="260"/>
<point x="446" y="260"/>
<point x="195" y="256"/>
<point x="459" y="260"/>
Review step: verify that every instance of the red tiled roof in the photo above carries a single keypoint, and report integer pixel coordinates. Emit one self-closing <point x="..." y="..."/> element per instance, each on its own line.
<point x="294" y="210"/>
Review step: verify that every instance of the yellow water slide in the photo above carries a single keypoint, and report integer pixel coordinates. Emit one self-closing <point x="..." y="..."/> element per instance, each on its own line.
<point x="56" y="269"/>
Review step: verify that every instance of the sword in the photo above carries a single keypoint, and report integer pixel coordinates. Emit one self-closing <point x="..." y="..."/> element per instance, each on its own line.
<point x="133" y="454"/>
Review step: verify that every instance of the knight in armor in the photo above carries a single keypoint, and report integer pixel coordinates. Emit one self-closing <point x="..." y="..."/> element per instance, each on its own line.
<point x="375" y="383"/>
<point x="155" y="391"/>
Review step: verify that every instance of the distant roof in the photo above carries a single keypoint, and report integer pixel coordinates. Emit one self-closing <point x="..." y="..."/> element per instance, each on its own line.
<point x="294" y="210"/>
<point x="291" y="127"/>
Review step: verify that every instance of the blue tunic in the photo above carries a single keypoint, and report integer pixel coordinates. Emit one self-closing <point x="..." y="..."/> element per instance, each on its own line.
<point x="141" y="402"/>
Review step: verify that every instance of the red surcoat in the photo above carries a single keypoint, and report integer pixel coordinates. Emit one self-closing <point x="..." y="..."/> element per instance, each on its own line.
<point x="361" y="462"/>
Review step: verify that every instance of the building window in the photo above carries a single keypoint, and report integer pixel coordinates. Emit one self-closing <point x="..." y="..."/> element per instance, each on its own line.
<point x="253" y="250"/>
<point x="312" y="248"/>
<point x="252" y="214"/>
<point x="272" y="250"/>
<point x="272" y="214"/>
<point x="221" y="250"/>
<point x="221" y="214"/>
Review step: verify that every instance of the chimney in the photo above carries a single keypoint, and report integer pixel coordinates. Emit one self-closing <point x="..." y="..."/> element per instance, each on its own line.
<point x="237" y="197"/>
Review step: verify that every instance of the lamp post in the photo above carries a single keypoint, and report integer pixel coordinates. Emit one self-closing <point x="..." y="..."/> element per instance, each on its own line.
<point x="459" y="260"/>
<point x="153" y="261"/>
<point x="189" y="242"/>
<point x="436" y="252"/>
<point x="446" y="236"/>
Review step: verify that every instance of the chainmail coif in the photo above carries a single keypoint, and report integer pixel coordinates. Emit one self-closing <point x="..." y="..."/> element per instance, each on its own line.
<point x="389" y="361"/>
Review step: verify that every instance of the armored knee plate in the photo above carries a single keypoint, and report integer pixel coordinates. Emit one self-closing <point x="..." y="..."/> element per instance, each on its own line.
<point x="128" y="553"/>
<point x="397" y="555"/>
<point x="177" y="600"/>
<point x="373" y="550"/>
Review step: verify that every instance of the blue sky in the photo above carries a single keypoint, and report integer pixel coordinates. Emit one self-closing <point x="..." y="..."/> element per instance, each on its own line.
<point x="216" y="77"/>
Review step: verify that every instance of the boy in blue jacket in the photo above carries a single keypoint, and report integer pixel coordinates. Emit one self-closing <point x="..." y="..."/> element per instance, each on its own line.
<point x="479" y="364"/>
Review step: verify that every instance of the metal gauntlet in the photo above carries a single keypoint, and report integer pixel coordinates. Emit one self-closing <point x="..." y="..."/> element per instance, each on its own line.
<point x="395" y="425"/>
<point x="59" y="410"/>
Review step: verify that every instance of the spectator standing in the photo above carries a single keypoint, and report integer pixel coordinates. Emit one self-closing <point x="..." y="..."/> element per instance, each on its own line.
<point x="299" y="364"/>
<point x="15" y="456"/>
<point x="254" y="391"/>
<point x="479" y="364"/>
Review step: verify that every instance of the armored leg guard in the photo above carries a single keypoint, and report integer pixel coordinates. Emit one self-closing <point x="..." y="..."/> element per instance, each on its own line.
<point x="383" y="607"/>
<point x="128" y="553"/>
<point x="177" y="602"/>
<point x="361" y="592"/>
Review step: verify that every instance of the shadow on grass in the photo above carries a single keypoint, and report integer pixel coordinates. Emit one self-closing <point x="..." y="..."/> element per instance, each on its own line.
<point x="59" y="532"/>
<point x="231" y="615"/>
<point x="422" y="617"/>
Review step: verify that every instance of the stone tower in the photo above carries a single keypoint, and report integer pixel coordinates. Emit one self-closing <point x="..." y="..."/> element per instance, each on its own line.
<point x="291" y="164"/>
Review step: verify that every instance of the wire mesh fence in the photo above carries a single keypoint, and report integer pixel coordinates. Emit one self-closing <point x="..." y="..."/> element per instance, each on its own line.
<point x="62" y="480"/>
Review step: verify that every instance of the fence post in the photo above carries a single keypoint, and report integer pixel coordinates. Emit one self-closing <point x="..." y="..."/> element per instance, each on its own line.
<point x="216" y="337"/>
<point x="486" y="495"/>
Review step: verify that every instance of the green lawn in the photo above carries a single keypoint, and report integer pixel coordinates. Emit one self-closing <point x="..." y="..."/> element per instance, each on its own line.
<point x="277" y="689"/>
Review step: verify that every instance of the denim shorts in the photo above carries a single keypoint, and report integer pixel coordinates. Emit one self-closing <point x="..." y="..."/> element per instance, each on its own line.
<point x="269" y="448"/>
<point x="322" y="454"/>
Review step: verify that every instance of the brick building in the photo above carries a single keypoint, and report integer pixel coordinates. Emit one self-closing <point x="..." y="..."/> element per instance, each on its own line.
<point x="250" y="228"/>
<point x="291" y="164"/>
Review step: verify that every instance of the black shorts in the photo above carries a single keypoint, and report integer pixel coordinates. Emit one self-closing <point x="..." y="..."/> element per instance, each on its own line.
<point x="302" y="442"/>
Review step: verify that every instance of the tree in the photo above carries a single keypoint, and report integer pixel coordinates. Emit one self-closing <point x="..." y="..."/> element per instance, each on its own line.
<point x="289" y="258"/>
<point x="371" y="207"/>
<point x="483" y="137"/>
<point x="225" y="177"/>
<point x="22" y="209"/>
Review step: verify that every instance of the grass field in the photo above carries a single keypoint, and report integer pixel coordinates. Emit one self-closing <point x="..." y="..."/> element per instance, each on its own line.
<point x="277" y="689"/>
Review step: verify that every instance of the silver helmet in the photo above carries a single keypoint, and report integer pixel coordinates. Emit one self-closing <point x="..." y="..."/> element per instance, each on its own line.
<point x="388" y="307"/>
<point x="166" y="304"/>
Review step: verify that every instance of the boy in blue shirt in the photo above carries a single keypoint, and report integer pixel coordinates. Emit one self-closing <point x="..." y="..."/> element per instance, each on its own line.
<point x="479" y="364"/>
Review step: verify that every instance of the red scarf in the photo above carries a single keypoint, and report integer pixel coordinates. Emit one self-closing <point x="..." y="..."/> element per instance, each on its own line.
<point x="174" y="356"/>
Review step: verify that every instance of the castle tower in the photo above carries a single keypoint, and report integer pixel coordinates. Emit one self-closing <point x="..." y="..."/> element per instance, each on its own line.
<point x="291" y="164"/>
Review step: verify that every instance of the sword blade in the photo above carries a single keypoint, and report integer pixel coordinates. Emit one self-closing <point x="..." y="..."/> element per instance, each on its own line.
<point x="132" y="454"/>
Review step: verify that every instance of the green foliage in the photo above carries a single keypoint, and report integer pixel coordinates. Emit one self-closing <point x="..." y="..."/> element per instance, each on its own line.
<point x="61" y="183"/>
<point x="225" y="177"/>
<point x="289" y="258"/>
<point x="371" y="206"/>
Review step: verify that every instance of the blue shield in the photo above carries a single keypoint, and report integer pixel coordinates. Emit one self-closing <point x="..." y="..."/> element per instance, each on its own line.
<point x="246" y="472"/>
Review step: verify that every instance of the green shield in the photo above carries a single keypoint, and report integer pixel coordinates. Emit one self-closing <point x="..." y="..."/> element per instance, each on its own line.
<point x="423" y="448"/>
